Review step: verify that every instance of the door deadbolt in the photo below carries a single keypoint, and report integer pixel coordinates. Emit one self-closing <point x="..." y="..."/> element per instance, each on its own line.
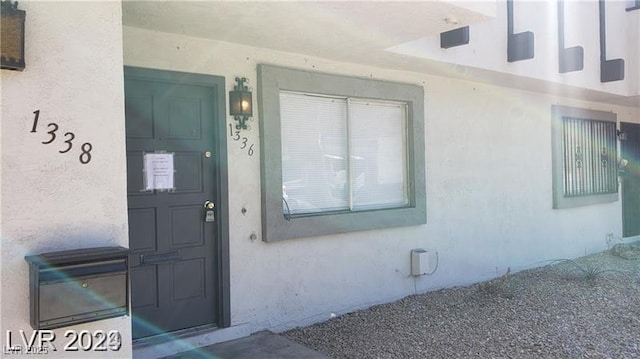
<point x="209" y="213"/>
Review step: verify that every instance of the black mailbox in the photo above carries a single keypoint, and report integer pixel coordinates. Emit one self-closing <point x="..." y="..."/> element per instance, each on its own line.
<point x="78" y="286"/>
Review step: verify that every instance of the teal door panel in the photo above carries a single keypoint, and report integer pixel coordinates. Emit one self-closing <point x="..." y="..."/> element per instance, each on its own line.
<point x="630" y="148"/>
<point x="174" y="261"/>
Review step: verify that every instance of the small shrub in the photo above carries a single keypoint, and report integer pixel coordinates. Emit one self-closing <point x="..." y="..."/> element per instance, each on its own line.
<point x="498" y="287"/>
<point x="589" y="272"/>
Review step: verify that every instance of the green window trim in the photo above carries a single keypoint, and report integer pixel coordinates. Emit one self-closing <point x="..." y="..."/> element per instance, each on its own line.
<point x="275" y="226"/>
<point x="564" y="118"/>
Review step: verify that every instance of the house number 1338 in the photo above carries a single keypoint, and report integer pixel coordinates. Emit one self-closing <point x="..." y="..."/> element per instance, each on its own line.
<point x="67" y="138"/>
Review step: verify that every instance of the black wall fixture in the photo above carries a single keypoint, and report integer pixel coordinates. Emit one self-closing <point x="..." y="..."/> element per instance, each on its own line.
<point x="520" y="45"/>
<point x="455" y="37"/>
<point x="610" y="70"/>
<point x="636" y="6"/>
<point x="571" y="58"/>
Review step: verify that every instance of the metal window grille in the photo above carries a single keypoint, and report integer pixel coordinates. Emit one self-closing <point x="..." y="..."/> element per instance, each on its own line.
<point x="589" y="153"/>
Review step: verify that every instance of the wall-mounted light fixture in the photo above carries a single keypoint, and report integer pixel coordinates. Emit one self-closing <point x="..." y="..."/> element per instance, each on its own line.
<point x="12" y="36"/>
<point x="240" y="103"/>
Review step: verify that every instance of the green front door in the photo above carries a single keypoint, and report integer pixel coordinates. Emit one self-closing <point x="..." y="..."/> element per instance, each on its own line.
<point x="175" y="248"/>
<point x="631" y="179"/>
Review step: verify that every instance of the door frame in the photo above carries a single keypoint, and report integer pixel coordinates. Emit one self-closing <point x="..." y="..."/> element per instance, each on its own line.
<point x="217" y="85"/>
<point x="623" y="195"/>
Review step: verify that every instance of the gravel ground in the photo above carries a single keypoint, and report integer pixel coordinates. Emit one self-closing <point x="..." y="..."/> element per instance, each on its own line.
<point x="557" y="311"/>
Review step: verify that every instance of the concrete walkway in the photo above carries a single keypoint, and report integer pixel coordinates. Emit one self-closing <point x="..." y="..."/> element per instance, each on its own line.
<point x="263" y="345"/>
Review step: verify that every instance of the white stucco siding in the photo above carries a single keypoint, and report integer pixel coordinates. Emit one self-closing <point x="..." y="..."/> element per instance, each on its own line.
<point x="489" y="187"/>
<point x="632" y="31"/>
<point x="489" y="198"/>
<point x="51" y="201"/>
<point x="487" y="47"/>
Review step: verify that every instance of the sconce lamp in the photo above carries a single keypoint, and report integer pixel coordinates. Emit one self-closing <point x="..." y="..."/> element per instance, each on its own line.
<point x="240" y="103"/>
<point x="12" y="36"/>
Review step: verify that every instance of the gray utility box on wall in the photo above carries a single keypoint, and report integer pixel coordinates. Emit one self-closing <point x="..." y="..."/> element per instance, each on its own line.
<point x="77" y="286"/>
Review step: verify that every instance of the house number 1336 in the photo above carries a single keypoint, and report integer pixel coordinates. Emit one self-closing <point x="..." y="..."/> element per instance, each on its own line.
<point x="67" y="138"/>
<point x="235" y="135"/>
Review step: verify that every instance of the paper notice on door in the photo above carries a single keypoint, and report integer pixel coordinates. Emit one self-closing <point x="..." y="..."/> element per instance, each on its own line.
<point x="158" y="171"/>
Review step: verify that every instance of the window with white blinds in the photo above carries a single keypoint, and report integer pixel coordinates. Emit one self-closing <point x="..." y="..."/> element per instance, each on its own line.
<point x="342" y="154"/>
<point x="339" y="154"/>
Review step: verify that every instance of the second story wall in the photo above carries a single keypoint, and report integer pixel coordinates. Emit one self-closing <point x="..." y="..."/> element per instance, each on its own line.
<point x="487" y="47"/>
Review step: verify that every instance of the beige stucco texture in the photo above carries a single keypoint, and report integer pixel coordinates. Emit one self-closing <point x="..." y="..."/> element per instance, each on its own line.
<point x="51" y="200"/>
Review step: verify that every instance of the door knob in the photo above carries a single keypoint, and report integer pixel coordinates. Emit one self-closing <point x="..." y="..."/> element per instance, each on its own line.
<point x="209" y="205"/>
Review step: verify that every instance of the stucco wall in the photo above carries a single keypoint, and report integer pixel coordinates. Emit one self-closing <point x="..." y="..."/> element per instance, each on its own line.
<point x="487" y="48"/>
<point x="51" y="201"/>
<point x="488" y="166"/>
<point x="632" y="31"/>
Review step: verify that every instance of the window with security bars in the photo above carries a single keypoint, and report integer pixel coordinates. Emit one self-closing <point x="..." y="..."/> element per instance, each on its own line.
<point x="589" y="157"/>
<point x="342" y="154"/>
<point x="584" y="147"/>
